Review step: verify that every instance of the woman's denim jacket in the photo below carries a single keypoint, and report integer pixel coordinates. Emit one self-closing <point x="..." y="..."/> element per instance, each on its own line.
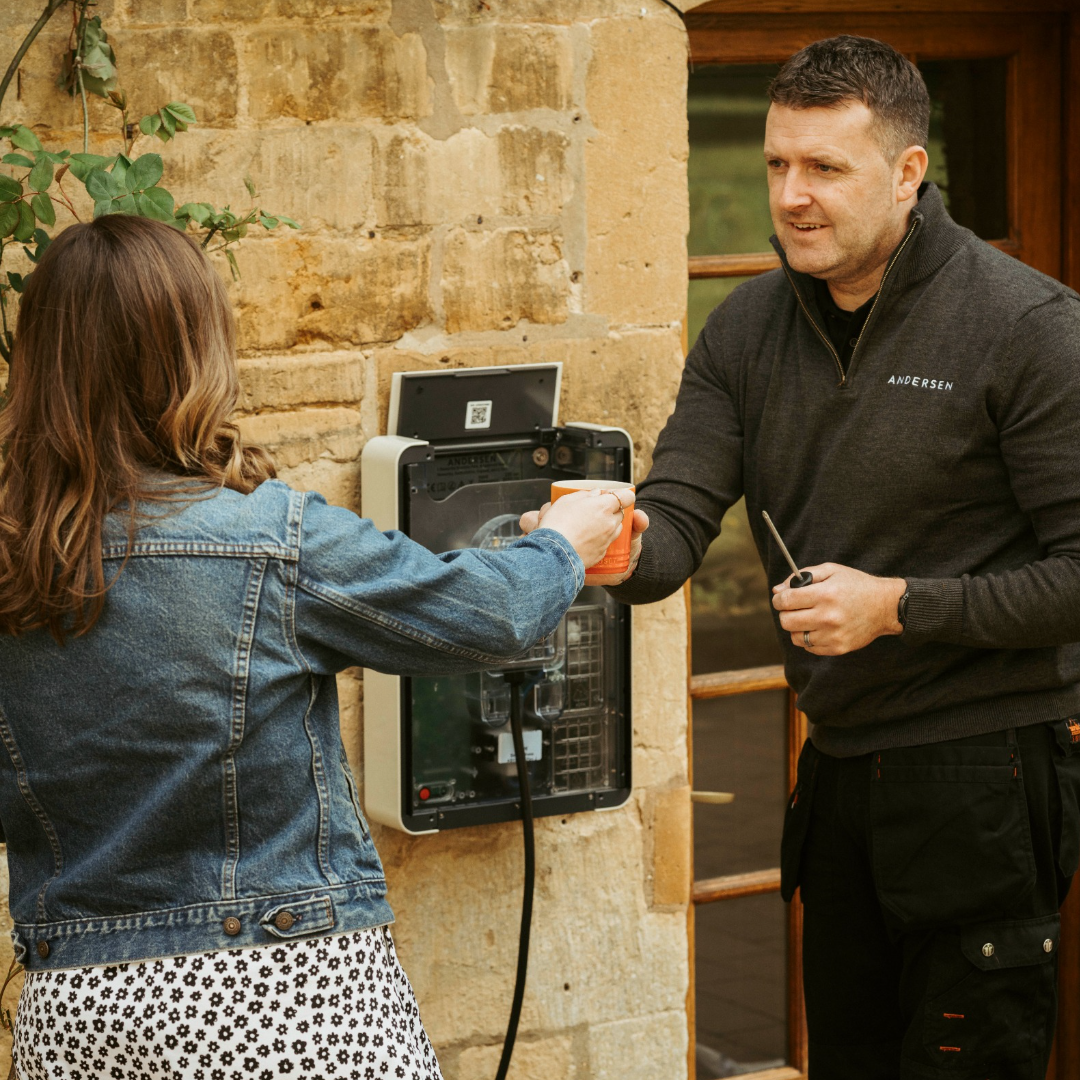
<point x="174" y="781"/>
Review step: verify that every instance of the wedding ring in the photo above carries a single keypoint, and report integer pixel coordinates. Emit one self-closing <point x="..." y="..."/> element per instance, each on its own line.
<point x="806" y="638"/>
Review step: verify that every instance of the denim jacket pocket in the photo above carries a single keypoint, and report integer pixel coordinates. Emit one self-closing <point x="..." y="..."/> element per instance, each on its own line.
<point x="1067" y="769"/>
<point x="797" y="820"/>
<point x="950" y="835"/>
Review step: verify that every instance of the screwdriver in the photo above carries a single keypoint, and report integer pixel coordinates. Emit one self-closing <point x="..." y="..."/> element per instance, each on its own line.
<point x="802" y="577"/>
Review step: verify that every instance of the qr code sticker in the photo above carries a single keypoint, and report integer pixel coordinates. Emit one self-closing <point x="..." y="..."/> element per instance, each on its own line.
<point x="477" y="415"/>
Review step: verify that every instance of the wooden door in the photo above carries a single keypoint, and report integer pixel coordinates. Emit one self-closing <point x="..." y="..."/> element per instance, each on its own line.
<point x="1005" y="82"/>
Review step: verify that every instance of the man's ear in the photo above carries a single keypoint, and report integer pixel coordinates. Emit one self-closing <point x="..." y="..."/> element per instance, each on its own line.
<point x="910" y="171"/>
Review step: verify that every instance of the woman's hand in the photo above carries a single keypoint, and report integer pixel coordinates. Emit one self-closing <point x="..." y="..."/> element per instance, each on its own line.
<point x="590" y="521"/>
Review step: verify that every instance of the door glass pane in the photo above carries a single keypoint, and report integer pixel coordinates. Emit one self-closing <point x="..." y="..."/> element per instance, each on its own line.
<point x="731" y="613"/>
<point x="967" y="141"/>
<point x="741" y="986"/>
<point x="740" y="745"/>
<point x="729" y="203"/>
<point x="703" y="295"/>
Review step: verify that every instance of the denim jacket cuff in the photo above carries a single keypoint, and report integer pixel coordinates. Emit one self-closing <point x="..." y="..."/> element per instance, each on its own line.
<point x="559" y="541"/>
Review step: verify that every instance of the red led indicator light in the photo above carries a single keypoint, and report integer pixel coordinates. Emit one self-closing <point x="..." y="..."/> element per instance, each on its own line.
<point x="425" y="794"/>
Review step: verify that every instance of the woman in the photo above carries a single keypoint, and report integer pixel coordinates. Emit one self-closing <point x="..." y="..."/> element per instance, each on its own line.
<point x="194" y="889"/>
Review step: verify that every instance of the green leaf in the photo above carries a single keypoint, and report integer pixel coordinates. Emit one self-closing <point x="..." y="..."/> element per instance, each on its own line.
<point x="25" y="228"/>
<point x="232" y="265"/>
<point x="10" y="189"/>
<point x="250" y="185"/>
<point x="155" y="203"/>
<point x="103" y="207"/>
<point x="119" y="173"/>
<point x="81" y="165"/>
<point x="149" y="125"/>
<point x="168" y="124"/>
<point x="58" y="157"/>
<point x="98" y="59"/>
<point x="17" y="159"/>
<point x="198" y="212"/>
<point x="25" y="139"/>
<point x="9" y="218"/>
<point x="15" y="281"/>
<point x="126" y="205"/>
<point x="42" y="239"/>
<point x="145" y="172"/>
<point x="288" y="221"/>
<point x="266" y="221"/>
<point x="41" y="175"/>
<point x="43" y="208"/>
<point x="99" y="186"/>
<point x="182" y="112"/>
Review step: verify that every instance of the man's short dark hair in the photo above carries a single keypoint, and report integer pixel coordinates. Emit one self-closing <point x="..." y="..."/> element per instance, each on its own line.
<point x="838" y="70"/>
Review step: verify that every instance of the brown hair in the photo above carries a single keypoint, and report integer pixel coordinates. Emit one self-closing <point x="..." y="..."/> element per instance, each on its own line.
<point x="838" y="70"/>
<point x="123" y="368"/>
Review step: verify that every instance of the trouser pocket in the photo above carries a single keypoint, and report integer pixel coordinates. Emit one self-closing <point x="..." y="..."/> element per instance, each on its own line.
<point x="797" y="820"/>
<point x="950" y="835"/>
<point x="1067" y="768"/>
<point x="990" y="1002"/>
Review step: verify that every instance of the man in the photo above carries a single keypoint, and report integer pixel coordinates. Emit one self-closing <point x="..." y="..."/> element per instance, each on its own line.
<point x="903" y="400"/>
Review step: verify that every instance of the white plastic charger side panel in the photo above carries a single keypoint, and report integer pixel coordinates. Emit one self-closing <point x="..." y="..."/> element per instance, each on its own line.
<point x="630" y="444"/>
<point x="382" y="693"/>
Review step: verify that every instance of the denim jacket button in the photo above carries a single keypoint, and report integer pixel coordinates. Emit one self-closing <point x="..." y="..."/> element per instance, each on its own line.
<point x="284" y="920"/>
<point x="43" y="949"/>
<point x="231" y="926"/>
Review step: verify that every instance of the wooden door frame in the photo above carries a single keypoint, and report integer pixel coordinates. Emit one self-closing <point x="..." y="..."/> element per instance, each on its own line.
<point x="1044" y="232"/>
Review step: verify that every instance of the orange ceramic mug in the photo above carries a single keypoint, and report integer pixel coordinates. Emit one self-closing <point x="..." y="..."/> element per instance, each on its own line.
<point x="616" y="559"/>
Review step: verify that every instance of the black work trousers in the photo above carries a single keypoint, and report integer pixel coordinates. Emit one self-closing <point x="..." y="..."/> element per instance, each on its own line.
<point x="931" y="879"/>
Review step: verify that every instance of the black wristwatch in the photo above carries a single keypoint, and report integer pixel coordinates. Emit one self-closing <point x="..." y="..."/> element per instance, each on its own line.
<point x="901" y="607"/>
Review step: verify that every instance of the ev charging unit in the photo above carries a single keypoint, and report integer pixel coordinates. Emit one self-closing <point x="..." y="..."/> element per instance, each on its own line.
<point x="468" y="451"/>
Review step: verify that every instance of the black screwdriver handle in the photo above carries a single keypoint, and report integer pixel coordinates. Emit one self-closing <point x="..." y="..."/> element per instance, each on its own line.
<point x="804" y="578"/>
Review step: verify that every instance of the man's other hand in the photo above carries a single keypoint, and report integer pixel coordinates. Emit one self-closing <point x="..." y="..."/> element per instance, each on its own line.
<point x="842" y="611"/>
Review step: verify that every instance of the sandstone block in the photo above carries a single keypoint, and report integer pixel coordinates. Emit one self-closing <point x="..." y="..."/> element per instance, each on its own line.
<point x="369" y="10"/>
<point x="249" y="10"/>
<point x="637" y="215"/>
<point x="497" y="69"/>
<point x="470" y="176"/>
<point x="319" y="176"/>
<point x="671" y="844"/>
<point x="274" y="382"/>
<point x="582" y="970"/>
<point x="493" y="280"/>
<point x="306" y="435"/>
<point x="533" y="171"/>
<point x="643" y="1048"/>
<point x="536" y="1059"/>
<point x="628" y="380"/>
<point x="340" y="72"/>
<point x="229" y="10"/>
<point x="296" y="291"/>
<point x="338" y="482"/>
<point x="472" y="13"/>
<point x="197" y="66"/>
<point x="155" y="12"/>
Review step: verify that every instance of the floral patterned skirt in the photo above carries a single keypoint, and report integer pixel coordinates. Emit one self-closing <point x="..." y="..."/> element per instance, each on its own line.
<point x="337" y="1006"/>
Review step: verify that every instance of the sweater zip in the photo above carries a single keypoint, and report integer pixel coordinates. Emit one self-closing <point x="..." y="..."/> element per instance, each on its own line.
<point x="869" y="315"/>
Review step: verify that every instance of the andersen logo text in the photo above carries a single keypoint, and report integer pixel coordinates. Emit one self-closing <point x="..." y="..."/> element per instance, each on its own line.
<point x="919" y="384"/>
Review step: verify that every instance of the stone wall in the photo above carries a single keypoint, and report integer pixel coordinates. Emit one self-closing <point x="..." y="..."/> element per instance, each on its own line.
<point x="478" y="182"/>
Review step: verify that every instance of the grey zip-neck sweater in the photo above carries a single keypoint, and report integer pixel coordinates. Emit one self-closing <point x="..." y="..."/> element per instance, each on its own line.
<point x="949" y="455"/>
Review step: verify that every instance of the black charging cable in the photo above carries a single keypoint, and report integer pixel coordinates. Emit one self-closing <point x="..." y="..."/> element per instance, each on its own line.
<point x="515" y="679"/>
